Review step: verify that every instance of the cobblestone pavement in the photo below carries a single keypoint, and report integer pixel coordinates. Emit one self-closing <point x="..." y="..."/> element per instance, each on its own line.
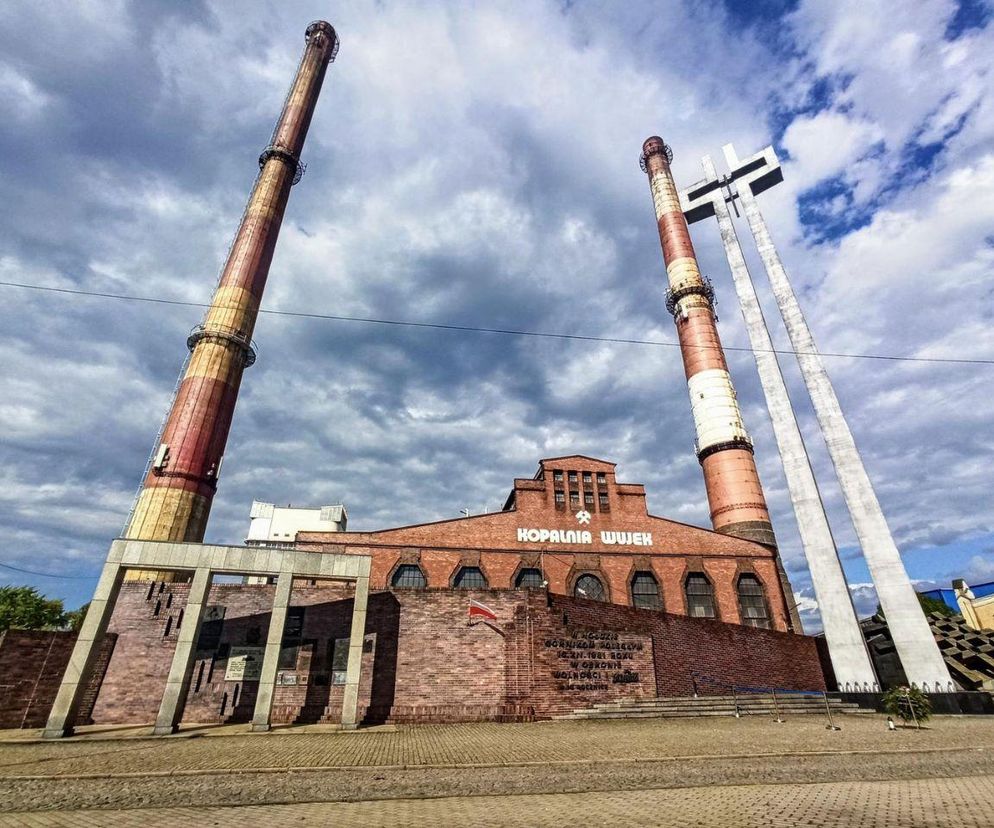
<point x="935" y="803"/>
<point x="627" y="740"/>
<point x="546" y="765"/>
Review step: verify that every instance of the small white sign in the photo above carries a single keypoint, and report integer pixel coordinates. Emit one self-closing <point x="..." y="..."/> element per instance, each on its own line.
<point x="244" y="664"/>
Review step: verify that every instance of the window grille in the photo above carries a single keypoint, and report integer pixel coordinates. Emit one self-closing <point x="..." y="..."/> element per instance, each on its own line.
<point x="408" y="576"/>
<point x="529" y="578"/>
<point x="645" y="591"/>
<point x="752" y="603"/>
<point x="470" y="577"/>
<point x="700" y="596"/>
<point x="589" y="587"/>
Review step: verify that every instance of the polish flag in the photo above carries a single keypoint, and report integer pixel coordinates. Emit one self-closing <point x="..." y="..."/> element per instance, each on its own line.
<point x="478" y="610"/>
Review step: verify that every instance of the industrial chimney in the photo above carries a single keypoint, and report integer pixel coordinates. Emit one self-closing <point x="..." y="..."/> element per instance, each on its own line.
<point x="735" y="495"/>
<point x="175" y="499"/>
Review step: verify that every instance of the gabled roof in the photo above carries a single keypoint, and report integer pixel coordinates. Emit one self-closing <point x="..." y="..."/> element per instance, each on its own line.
<point x="578" y="457"/>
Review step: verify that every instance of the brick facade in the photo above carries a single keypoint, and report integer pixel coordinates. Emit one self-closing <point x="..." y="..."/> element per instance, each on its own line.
<point x="424" y="662"/>
<point x="31" y="666"/>
<point x="547" y="653"/>
<point x="617" y="512"/>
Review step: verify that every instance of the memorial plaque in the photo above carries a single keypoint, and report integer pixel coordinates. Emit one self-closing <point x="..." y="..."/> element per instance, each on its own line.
<point x="244" y="664"/>
<point x="597" y="661"/>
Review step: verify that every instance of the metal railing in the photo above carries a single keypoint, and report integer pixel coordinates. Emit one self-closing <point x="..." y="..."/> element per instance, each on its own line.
<point x="697" y="679"/>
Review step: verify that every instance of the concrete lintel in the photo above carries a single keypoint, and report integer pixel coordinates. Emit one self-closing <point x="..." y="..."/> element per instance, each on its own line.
<point x="238" y="560"/>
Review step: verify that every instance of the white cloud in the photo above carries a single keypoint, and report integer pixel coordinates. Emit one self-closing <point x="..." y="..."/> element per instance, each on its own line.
<point x="826" y="144"/>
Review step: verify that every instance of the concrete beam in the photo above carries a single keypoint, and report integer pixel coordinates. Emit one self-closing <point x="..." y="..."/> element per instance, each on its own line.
<point x="847" y="649"/>
<point x="913" y="639"/>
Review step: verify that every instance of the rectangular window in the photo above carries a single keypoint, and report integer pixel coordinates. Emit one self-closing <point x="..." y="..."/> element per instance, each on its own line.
<point x="588" y="498"/>
<point x="602" y="498"/>
<point x="572" y="477"/>
<point x="586" y="477"/>
<point x="601" y="478"/>
<point x="574" y="498"/>
<point x="339" y="660"/>
<point x="560" y="496"/>
<point x="557" y="476"/>
<point x="292" y="631"/>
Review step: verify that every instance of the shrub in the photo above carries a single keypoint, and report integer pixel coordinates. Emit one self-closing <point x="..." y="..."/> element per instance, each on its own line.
<point x="908" y="703"/>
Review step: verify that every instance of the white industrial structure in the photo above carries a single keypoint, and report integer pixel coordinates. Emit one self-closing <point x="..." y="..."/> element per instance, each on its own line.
<point x="276" y="527"/>
<point x="847" y="649"/>
<point x="916" y="647"/>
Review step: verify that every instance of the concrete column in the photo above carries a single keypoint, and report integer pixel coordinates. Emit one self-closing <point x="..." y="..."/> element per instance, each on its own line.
<point x="350" y="702"/>
<point x="271" y="658"/>
<point x="178" y="681"/>
<point x="913" y="639"/>
<point x="62" y="718"/>
<point x="846" y="646"/>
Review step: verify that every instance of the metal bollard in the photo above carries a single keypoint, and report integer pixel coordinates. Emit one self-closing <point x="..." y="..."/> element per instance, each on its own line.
<point x="828" y="710"/>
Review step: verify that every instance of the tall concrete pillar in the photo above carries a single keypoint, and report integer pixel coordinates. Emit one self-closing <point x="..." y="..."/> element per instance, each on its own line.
<point x="724" y="449"/>
<point x="913" y="639"/>
<point x="271" y="656"/>
<point x="179" y="486"/>
<point x="847" y="648"/>
<point x="178" y="681"/>
<point x="353" y="668"/>
<point x="76" y="679"/>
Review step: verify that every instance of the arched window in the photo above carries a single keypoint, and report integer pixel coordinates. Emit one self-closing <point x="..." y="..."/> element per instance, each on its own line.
<point x="529" y="578"/>
<point x="470" y="577"/>
<point x="408" y="576"/>
<point x="700" y="596"/>
<point x="752" y="602"/>
<point x="589" y="587"/>
<point x="645" y="591"/>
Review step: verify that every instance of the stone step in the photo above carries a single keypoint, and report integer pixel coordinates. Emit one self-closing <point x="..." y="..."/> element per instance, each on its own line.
<point x="688" y="706"/>
<point x="688" y="713"/>
<point x="663" y="703"/>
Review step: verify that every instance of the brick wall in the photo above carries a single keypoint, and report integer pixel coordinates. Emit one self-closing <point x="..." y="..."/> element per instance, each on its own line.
<point x="32" y="663"/>
<point x="423" y="661"/>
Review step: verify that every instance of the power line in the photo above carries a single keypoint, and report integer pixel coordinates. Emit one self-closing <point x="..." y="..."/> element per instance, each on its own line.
<point x="499" y="331"/>
<point x="50" y="574"/>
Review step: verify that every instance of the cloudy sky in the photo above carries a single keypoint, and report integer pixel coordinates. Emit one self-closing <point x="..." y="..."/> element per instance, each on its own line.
<point x="477" y="164"/>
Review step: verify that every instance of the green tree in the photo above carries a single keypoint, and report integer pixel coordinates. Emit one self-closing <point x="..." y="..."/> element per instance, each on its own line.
<point x="929" y="605"/>
<point x="74" y="618"/>
<point x="24" y="607"/>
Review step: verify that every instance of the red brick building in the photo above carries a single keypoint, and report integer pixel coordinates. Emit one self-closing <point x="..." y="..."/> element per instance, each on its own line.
<point x="576" y="528"/>
<point x="594" y="600"/>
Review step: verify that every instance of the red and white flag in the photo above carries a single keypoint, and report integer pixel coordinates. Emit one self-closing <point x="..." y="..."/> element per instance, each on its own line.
<point x="478" y="610"/>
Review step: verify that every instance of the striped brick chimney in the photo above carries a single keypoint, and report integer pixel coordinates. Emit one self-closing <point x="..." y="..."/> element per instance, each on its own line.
<point x="174" y="501"/>
<point x="735" y="495"/>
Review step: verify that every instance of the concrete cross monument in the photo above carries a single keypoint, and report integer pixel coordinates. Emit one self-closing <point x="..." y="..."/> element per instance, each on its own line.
<point x="916" y="647"/>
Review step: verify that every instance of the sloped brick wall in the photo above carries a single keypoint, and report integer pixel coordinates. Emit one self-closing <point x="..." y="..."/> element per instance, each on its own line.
<point x="423" y="661"/>
<point x="32" y="663"/>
